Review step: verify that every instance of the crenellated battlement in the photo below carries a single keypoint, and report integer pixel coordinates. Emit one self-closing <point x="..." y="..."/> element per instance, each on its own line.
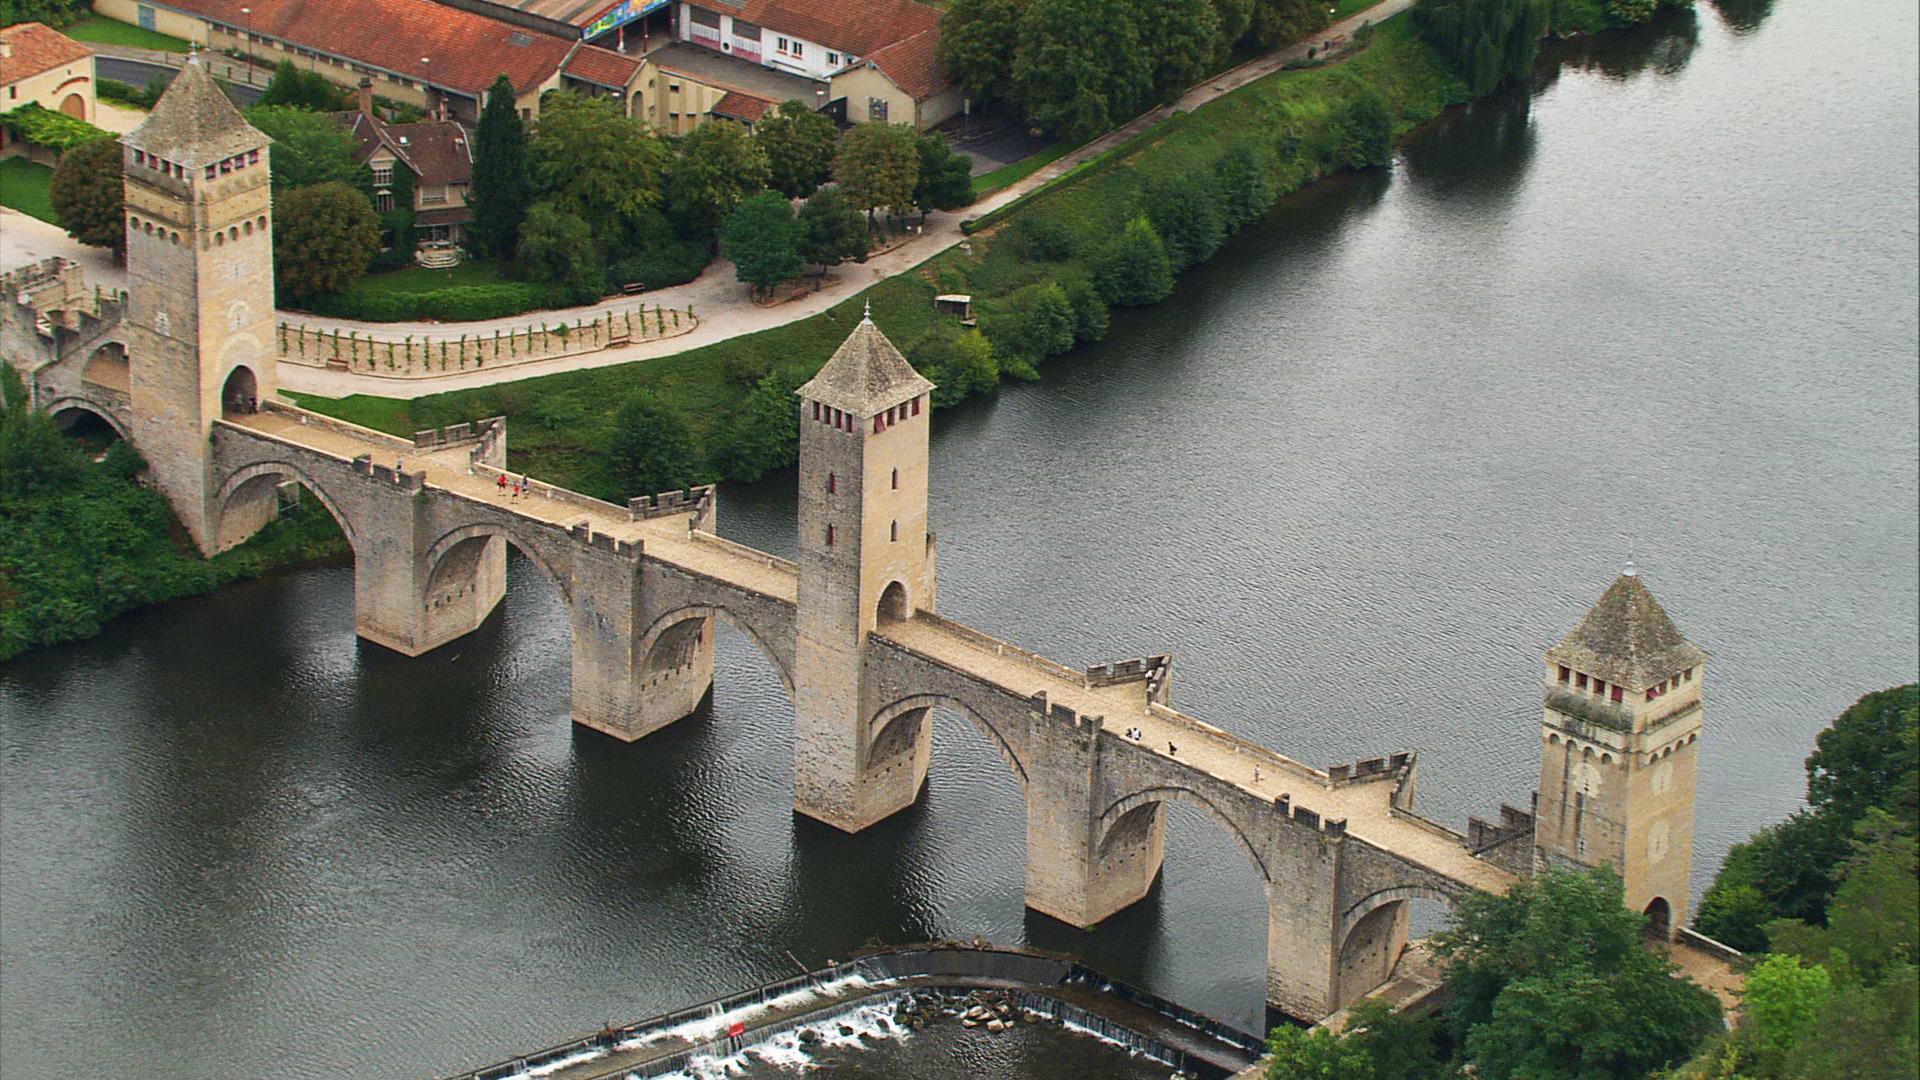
<point x="698" y="501"/>
<point x="1372" y="770"/>
<point x="458" y="434"/>
<point x="1155" y="671"/>
<point x="1300" y="815"/>
<point x="1063" y="715"/>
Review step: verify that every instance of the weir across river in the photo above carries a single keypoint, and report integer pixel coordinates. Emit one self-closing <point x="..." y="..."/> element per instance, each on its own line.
<point x="184" y="366"/>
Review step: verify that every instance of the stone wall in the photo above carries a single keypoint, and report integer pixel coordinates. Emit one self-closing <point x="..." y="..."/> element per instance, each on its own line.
<point x="448" y="351"/>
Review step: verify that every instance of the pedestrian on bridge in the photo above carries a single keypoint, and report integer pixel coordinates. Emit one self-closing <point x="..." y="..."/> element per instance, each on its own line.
<point x="503" y="484"/>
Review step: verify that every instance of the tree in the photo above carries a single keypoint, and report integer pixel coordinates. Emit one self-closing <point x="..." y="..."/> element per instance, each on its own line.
<point x="976" y="44"/>
<point x="1090" y="316"/>
<point x="1188" y="39"/>
<point x="1247" y="183"/>
<point x="595" y="163"/>
<point x="831" y="230"/>
<point x="878" y="165"/>
<point x="309" y="148"/>
<point x="398" y="222"/>
<point x="1363" y="133"/>
<point x="799" y="145"/>
<point x="1079" y="68"/>
<point x="766" y="434"/>
<point x="1486" y="41"/>
<point x="650" y="449"/>
<point x="1032" y="324"/>
<point x="1868" y="757"/>
<point x="1378" y="1042"/>
<point x="55" y="13"/>
<point x="1133" y="269"/>
<point x="719" y="165"/>
<point x="556" y="248"/>
<point x="1783" y="871"/>
<point x="323" y="236"/>
<point x="34" y="456"/>
<point x="1278" y="22"/>
<point x="1185" y="210"/>
<point x="87" y="192"/>
<point x="945" y="178"/>
<point x="502" y="185"/>
<point x="763" y="240"/>
<point x="1783" y="998"/>
<point x="958" y="363"/>
<point x="296" y="89"/>
<point x="1552" y="982"/>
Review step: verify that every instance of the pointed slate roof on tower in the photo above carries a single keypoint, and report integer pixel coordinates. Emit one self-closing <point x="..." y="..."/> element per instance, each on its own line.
<point x="194" y="124"/>
<point x="1627" y="639"/>
<point x="867" y="375"/>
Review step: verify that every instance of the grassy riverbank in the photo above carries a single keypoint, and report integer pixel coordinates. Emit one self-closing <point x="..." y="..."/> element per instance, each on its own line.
<point x="731" y="395"/>
<point x="83" y="540"/>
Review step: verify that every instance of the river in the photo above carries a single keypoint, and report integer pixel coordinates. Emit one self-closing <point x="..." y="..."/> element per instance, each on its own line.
<point x="1356" y="475"/>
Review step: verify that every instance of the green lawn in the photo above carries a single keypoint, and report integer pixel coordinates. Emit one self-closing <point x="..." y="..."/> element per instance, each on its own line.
<point x="418" y="279"/>
<point x="381" y="414"/>
<point x="114" y="32"/>
<point x="24" y="185"/>
<point x="1344" y="8"/>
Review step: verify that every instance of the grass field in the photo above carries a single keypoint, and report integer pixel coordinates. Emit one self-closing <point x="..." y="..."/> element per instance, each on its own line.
<point x="24" y="185"/>
<point x="1344" y="8"/>
<point x="558" y="423"/>
<point x="418" y="279"/>
<point x="114" y="32"/>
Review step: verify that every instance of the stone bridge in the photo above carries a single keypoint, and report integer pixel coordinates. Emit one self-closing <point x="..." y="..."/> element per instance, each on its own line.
<point x="185" y="367"/>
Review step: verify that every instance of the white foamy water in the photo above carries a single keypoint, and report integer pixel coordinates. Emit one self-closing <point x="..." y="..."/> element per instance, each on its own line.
<point x="785" y="1049"/>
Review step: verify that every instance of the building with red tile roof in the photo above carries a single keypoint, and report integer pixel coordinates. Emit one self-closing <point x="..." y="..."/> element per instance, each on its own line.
<point x="42" y="66"/>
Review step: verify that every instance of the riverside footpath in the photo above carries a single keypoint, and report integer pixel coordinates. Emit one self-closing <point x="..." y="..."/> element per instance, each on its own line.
<point x="721" y="302"/>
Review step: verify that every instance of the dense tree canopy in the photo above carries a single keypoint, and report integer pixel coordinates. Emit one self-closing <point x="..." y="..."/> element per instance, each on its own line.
<point x="650" y="449"/>
<point x="946" y="178"/>
<point x="976" y="44"/>
<point x="832" y="230"/>
<point x="294" y="88"/>
<point x="595" y="163"/>
<point x="323" y="236"/>
<point x="556" y="248"/>
<point x="1133" y="269"/>
<point x="763" y="239"/>
<point x="502" y="185"/>
<point x="799" y="145"/>
<point x="1187" y="211"/>
<point x="88" y="192"/>
<point x="309" y="148"/>
<point x="878" y="165"/>
<point x="1378" y="1043"/>
<point x="1553" y="982"/>
<point x="719" y="164"/>
<point x="1486" y="41"/>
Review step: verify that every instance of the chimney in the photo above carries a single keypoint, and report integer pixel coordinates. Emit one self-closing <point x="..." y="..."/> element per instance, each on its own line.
<point x="366" y="96"/>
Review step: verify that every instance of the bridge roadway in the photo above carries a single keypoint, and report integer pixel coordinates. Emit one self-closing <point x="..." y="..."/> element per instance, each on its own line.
<point x="1181" y="742"/>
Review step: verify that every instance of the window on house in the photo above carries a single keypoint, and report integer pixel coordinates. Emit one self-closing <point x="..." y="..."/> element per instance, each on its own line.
<point x="383" y="174"/>
<point x="833" y="59"/>
<point x="383" y="201"/>
<point x="877" y="110"/>
<point x="1617" y="693"/>
<point x="797" y="50"/>
<point x="673" y="88"/>
<point x="703" y="17"/>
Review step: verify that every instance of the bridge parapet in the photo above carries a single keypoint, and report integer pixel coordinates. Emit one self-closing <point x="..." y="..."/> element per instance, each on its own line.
<point x="330" y="423"/>
<point x="1001" y="648"/>
<point x="460" y="434"/>
<point x="529" y="487"/>
<point x="1064" y="716"/>
<point x="1155" y="671"/>
<point x="698" y="501"/>
<point x="1253" y="752"/>
<point x="1300" y="815"/>
<point x="771" y="562"/>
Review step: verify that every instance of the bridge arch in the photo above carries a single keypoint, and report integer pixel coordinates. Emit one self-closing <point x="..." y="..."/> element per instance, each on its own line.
<point x="1372" y="934"/>
<point x="446" y="551"/>
<point x="1108" y="825"/>
<point x="240" y="505"/>
<point x="668" y="634"/>
<point x="897" y="725"/>
<point x="65" y="406"/>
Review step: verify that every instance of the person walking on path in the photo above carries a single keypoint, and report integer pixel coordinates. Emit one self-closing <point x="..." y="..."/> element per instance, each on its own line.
<point x="503" y="484"/>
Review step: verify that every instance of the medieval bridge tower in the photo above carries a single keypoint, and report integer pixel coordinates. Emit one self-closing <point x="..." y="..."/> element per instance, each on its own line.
<point x="200" y="327"/>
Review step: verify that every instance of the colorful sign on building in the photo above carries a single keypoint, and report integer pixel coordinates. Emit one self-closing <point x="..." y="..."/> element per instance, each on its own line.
<point x="625" y="12"/>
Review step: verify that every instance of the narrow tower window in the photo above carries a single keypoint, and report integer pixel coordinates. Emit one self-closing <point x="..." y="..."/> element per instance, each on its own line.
<point x="831" y="486"/>
<point x="894" y="531"/>
<point x="916" y="406"/>
<point x="1566" y="673"/>
<point x="879" y="424"/>
<point x="896" y="478"/>
<point x="829" y="536"/>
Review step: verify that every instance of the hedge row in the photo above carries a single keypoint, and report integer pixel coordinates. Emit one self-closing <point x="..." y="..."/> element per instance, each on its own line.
<point x="460" y="303"/>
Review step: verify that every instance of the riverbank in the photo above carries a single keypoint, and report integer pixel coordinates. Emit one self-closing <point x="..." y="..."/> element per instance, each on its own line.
<point x="732" y="396"/>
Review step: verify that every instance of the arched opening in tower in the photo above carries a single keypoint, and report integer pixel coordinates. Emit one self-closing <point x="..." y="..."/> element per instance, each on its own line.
<point x="893" y="602"/>
<point x="241" y="394"/>
<point x="90" y="429"/>
<point x="1659" y="918"/>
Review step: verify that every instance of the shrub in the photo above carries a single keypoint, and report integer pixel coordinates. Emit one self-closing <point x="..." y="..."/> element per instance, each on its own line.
<point x="54" y="130"/>
<point x="1089" y="311"/>
<point x="1133" y="269"/>
<point x="393" y="258"/>
<point x="958" y="363"/>
<point x="674" y="262"/>
<point x="1034" y="323"/>
<point x="1185" y="211"/>
<point x="1043" y="238"/>
<point x="1247" y="184"/>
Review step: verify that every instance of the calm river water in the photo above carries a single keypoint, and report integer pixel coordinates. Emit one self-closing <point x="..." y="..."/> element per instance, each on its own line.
<point x="1356" y="475"/>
